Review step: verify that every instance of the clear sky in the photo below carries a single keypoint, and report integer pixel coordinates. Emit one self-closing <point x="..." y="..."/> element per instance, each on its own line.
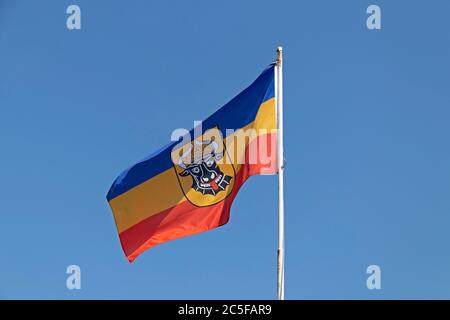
<point x="366" y="142"/>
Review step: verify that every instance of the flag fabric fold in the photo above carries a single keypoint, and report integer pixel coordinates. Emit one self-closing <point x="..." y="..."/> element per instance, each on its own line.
<point x="188" y="186"/>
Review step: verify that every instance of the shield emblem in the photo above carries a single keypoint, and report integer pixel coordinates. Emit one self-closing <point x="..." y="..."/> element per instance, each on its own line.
<point x="204" y="169"/>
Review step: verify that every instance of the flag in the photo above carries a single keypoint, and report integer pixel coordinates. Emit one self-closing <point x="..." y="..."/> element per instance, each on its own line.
<point x="188" y="186"/>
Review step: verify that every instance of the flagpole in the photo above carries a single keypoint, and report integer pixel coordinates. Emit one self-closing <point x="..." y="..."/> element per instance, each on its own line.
<point x="280" y="167"/>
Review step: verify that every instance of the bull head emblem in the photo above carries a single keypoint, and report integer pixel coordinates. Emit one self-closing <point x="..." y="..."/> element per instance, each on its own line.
<point x="207" y="177"/>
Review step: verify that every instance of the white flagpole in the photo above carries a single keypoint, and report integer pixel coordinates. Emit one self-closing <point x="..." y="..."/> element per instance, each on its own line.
<point x="280" y="164"/>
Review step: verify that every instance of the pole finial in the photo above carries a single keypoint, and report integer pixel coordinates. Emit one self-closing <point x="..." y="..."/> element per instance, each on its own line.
<point x="279" y="55"/>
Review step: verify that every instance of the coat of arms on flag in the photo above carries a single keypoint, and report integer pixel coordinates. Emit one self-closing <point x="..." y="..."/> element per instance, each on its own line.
<point x="204" y="169"/>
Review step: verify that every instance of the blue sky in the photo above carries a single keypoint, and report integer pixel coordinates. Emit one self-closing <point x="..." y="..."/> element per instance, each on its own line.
<point x="366" y="143"/>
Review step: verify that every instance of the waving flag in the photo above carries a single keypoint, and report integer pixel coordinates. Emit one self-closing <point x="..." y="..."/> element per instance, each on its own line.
<point x="189" y="185"/>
